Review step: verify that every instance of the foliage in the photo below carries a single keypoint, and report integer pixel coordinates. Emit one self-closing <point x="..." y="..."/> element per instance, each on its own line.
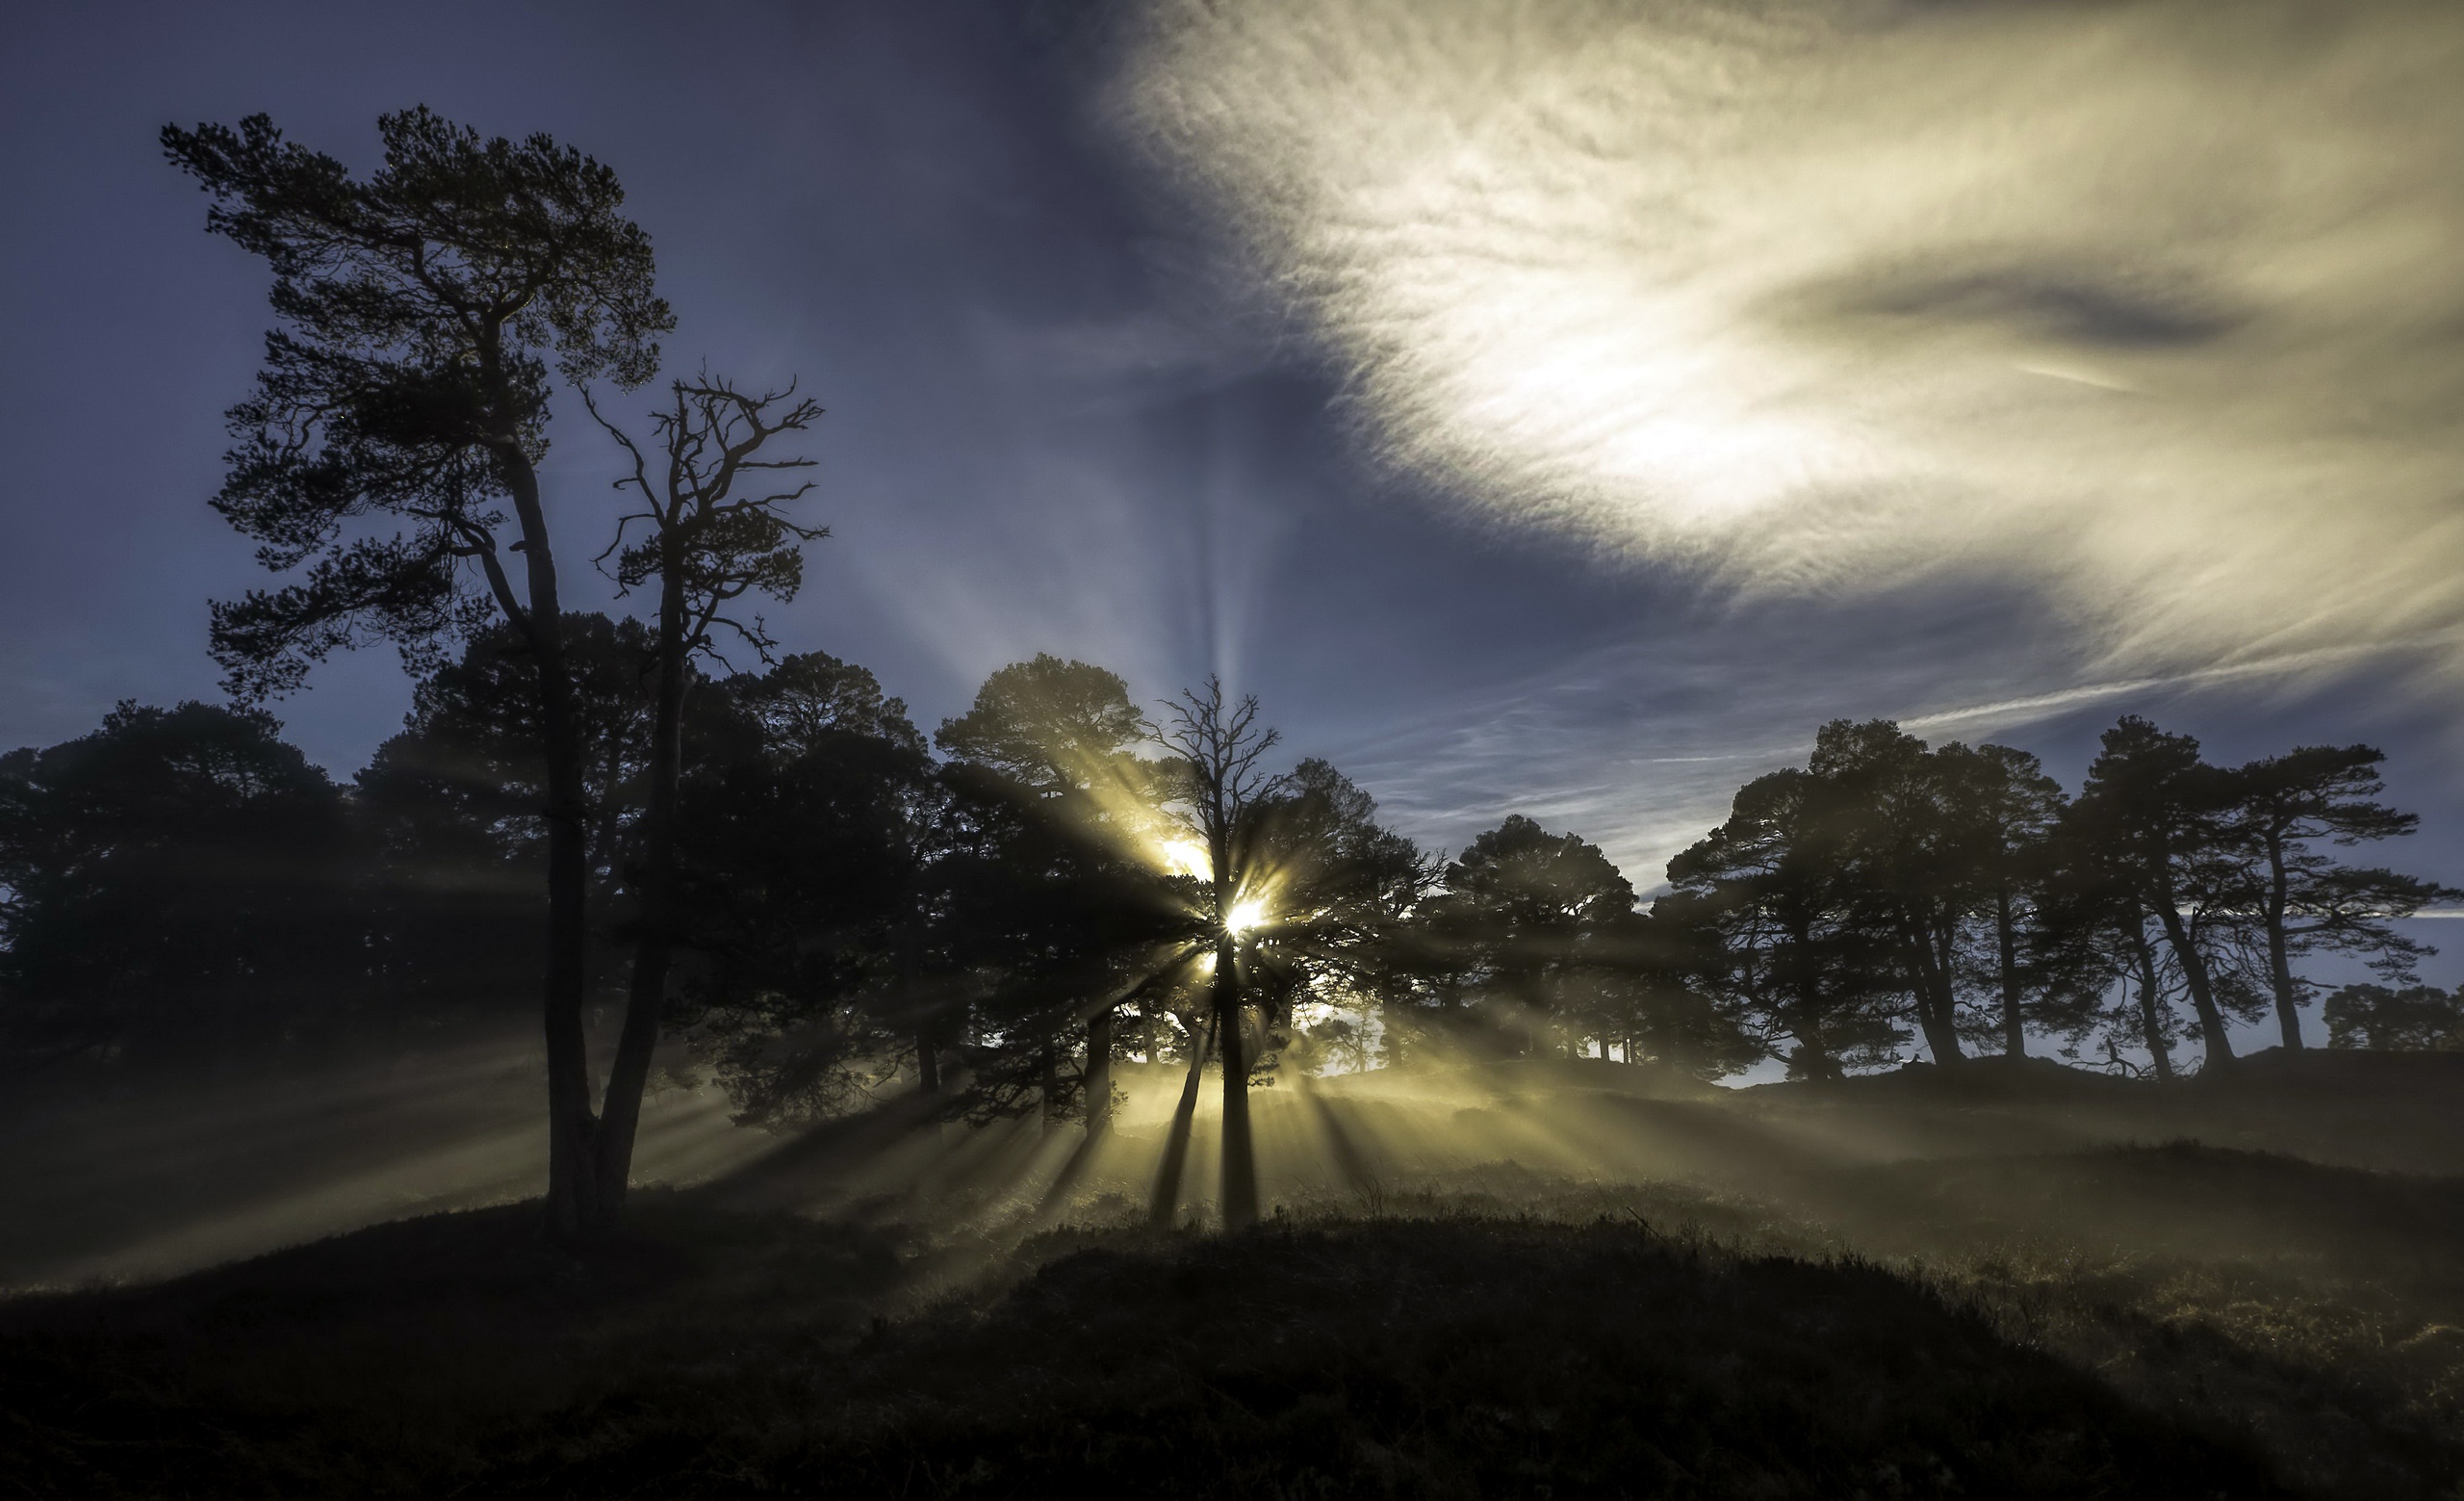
<point x="1765" y="919"/>
<point x="419" y="310"/>
<point x="408" y="384"/>
<point x="1056" y="726"/>
<point x="2417" y="1018"/>
<point x="2306" y="901"/>
<point x="180" y="884"/>
<point x="475" y="734"/>
<point x="1045" y="902"/>
<point x="799" y="851"/>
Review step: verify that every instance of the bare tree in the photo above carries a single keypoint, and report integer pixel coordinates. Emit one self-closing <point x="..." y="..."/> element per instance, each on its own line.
<point x="711" y="534"/>
<point x="1218" y="747"/>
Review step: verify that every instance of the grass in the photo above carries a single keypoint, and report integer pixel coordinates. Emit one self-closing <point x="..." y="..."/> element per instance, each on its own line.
<point x="2167" y="1320"/>
<point x="1498" y="1335"/>
<point x="1443" y="1352"/>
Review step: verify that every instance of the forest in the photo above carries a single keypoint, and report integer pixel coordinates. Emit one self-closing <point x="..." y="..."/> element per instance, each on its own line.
<point x="1054" y="882"/>
<point x="1925" y="1128"/>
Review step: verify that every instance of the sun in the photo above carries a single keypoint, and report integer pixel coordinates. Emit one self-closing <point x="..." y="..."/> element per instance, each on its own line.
<point x="1245" y="916"/>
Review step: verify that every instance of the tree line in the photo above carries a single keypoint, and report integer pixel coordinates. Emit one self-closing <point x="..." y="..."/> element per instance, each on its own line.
<point x="1887" y="891"/>
<point x="1057" y="884"/>
<point x="776" y="865"/>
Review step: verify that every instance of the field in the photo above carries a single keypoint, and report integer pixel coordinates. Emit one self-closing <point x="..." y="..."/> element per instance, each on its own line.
<point x="1559" y="1279"/>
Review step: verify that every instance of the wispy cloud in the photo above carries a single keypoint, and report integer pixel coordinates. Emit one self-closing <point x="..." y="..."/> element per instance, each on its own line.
<point x="1642" y="746"/>
<point x="2152" y="310"/>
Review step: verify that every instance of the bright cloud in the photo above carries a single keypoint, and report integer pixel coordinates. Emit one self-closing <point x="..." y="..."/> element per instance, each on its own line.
<point x="2155" y="308"/>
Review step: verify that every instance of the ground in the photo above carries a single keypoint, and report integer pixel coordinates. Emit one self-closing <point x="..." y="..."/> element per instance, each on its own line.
<point x="2055" y="1314"/>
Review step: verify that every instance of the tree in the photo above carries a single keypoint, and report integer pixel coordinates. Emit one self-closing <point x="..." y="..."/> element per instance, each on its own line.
<point x="802" y="822"/>
<point x="410" y="382"/>
<point x="454" y="800"/>
<point x="2417" y="1019"/>
<point x="1051" y="903"/>
<point x="712" y="535"/>
<point x="1527" y="927"/>
<point x="2164" y="818"/>
<point x="1905" y="859"/>
<point x="2003" y="808"/>
<point x="2090" y="928"/>
<point x="180" y="886"/>
<point x="2306" y="901"/>
<point x="1217" y="747"/>
<point x="1338" y="899"/>
<point x="1060" y="728"/>
<point x="805" y="699"/>
<point x="1764" y="920"/>
<point x="475" y="724"/>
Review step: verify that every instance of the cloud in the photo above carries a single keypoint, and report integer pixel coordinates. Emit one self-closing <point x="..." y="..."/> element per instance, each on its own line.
<point x="2152" y="309"/>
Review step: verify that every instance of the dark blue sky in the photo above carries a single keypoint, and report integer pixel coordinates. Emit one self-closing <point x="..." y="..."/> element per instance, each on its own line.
<point x="1059" y="420"/>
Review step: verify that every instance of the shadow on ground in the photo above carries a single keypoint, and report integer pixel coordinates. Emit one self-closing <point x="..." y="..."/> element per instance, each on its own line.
<point x="727" y="1355"/>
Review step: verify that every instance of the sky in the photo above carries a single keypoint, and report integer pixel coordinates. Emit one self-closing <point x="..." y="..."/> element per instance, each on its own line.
<point x="1543" y="405"/>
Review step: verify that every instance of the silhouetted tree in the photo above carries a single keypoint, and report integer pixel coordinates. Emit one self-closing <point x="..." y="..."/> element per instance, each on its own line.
<point x="1061" y="729"/>
<point x="800" y="840"/>
<point x="2417" y="1019"/>
<point x="180" y="884"/>
<point x="711" y="533"/>
<point x="804" y="700"/>
<point x="476" y="735"/>
<point x="1339" y="897"/>
<point x="410" y="382"/>
<point x="1051" y="907"/>
<point x="2090" y="932"/>
<point x="2003" y="808"/>
<point x="1217" y="747"/>
<point x="2165" y="819"/>
<point x="1767" y="923"/>
<point x="1908" y="861"/>
<point x="2306" y="901"/>
<point x="456" y="803"/>
<point x="1530" y="925"/>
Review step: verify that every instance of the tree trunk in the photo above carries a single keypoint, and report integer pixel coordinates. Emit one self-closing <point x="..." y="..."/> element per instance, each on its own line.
<point x="1176" y="1144"/>
<point x="2202" y="989"/>
<point x="1804" y="1021"/>
<point x="1941" y="1034"/>
<point x="573" y="1127"/>
<point x="573" y="1130"/>
<point x="654" y="943"/>
<point x="1936" y="1007"/>
<point x="1239" y="1156"/>
<point x="2288" y="995"/>
<point x="1048" y="1083"/>
<point x="1099" y="1072"/>
<point x="2006" y="933"/>
<point x="1812" y="1043"/>
<point x="928" y="1059"/>
<point x="2150" y="1026"/>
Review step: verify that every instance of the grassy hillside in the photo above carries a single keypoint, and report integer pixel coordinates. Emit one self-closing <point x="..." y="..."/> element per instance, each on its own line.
<point x="1763" y="1317"/>
<point x="1456" y="1354"/>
